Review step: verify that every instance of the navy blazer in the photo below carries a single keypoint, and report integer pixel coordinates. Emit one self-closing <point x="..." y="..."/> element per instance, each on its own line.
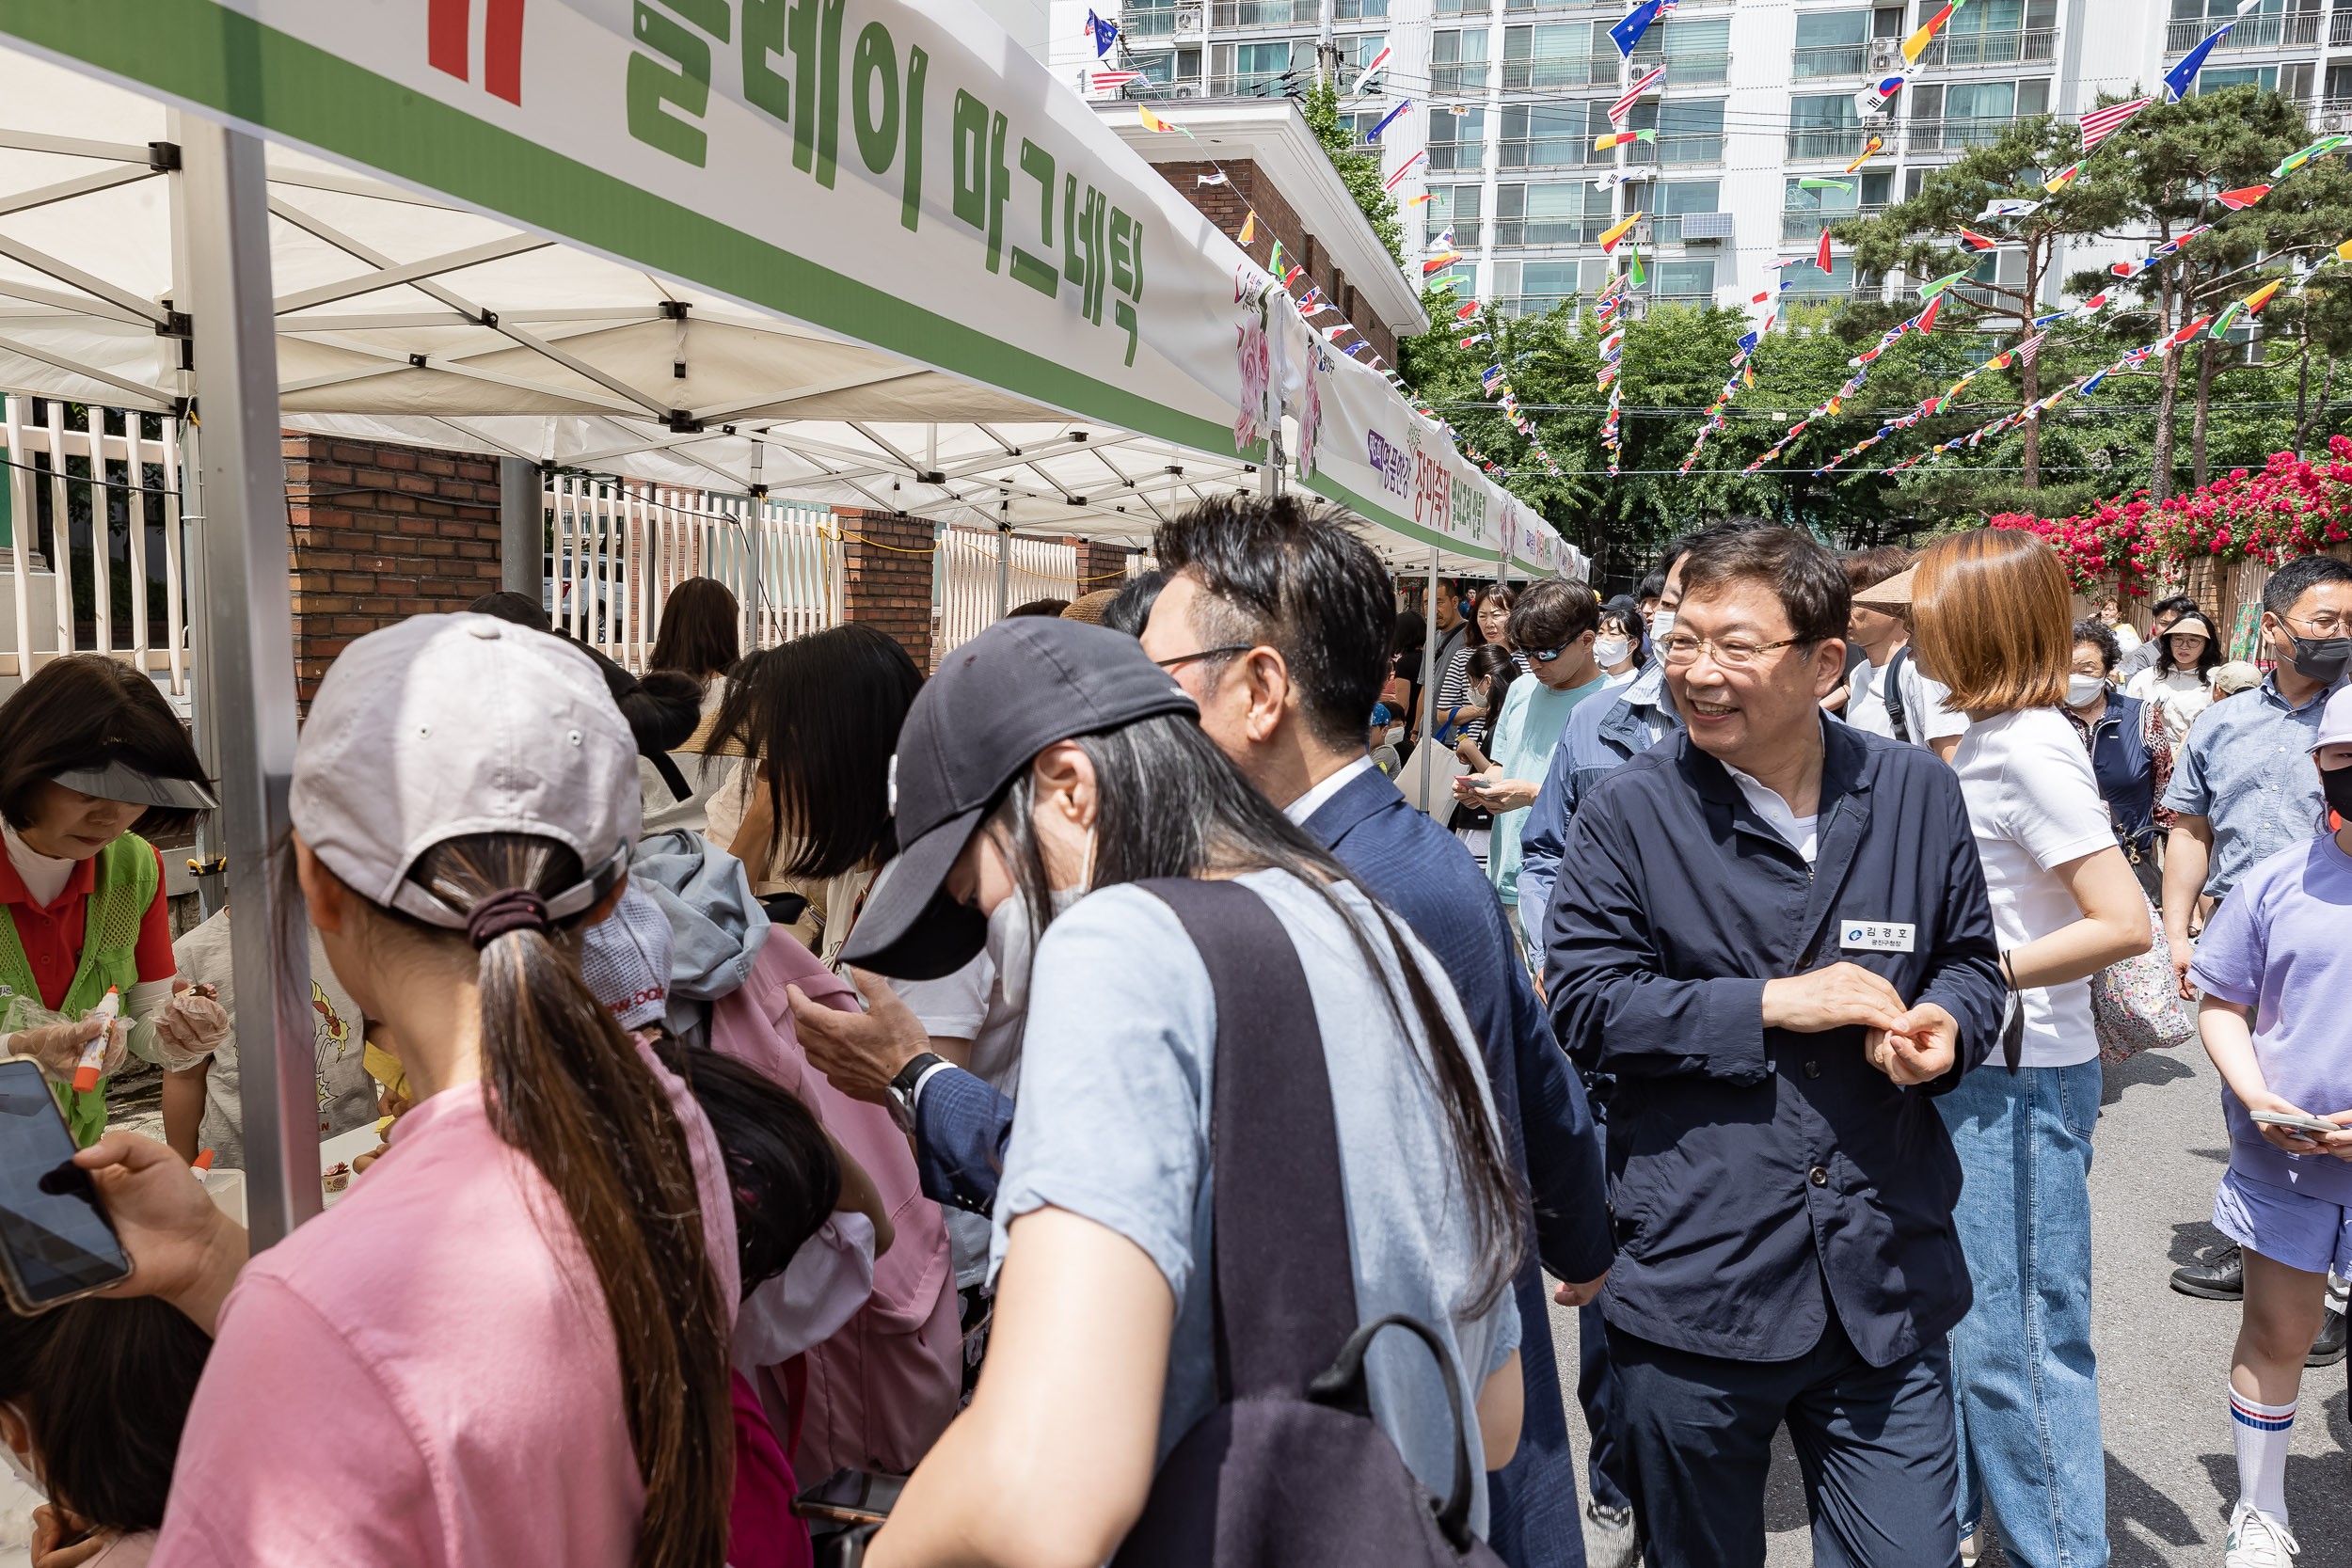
<point x="961" y="1125"/>
<point x="1424" y="875"/>
<point x="1761" y="1177"/>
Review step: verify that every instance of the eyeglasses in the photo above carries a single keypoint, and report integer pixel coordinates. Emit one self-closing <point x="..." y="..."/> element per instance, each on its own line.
<point x="1546" y="656"/>
<point x="1731" y="652"/>
<point x="2328" y="625"/>
<point x="1205" y="653"/>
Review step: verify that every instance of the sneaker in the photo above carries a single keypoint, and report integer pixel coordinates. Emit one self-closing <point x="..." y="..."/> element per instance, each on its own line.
<point x="2257" y="1540"/>
<point x="2328" y="1348"/>
<point x="1969" y="1549"/>
<point x="1611" y="1540"/>
<point x="2218" y="1274"/>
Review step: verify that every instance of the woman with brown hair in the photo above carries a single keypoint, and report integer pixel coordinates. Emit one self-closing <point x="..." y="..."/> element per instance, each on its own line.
<point x="1990" y="618"/>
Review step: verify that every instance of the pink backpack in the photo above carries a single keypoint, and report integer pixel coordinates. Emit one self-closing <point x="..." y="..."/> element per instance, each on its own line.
<point x="880" y="1391"/>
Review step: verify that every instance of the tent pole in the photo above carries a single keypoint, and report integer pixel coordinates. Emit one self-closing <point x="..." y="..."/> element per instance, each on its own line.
<point x="1004" y="570"/>
<point x="1428" y="680"/>
<point x="522" y="540"/>
<point x="251" y="616"/>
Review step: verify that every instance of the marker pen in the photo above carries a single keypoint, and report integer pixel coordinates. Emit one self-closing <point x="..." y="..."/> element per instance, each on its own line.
<point x="94" y="1055"/>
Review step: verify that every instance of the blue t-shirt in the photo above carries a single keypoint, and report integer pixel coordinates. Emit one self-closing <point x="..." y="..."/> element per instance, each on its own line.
<point x="1113" y="1124"/>
<point x="1526" y="733"/>
<point x="2277" y="944"/>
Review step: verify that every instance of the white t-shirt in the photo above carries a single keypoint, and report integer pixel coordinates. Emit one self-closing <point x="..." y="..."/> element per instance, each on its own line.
<point x="2179" y="695"/>
<point x="1766" y="802"/>
<point x="2034" y="804"/>
<point x="1925" y="714"/>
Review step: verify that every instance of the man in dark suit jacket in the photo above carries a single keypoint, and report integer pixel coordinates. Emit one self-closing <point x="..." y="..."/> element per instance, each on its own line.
<point x="1277" y="621"/>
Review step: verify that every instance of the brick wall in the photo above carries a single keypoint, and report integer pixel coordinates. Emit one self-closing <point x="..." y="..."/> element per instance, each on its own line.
<point x="381" y="532"/>
<point x="1100" y="566"/>
<point x="886" y="566"/>
<point x="1228" y="206"/>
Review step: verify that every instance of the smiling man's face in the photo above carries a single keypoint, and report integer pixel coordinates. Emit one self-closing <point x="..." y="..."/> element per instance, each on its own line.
<point x="1736" y="710"/>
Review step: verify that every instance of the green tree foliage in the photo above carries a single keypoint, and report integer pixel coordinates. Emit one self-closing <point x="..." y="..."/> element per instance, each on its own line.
<point x="1359" y="168"/>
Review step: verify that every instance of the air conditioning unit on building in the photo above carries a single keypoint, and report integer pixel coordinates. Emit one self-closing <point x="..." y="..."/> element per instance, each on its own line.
<point x="1186" y="89"/>
<point x="2332" y="122"/>
<point x="1885" y="54"/>
<point x="1187" y="19"/>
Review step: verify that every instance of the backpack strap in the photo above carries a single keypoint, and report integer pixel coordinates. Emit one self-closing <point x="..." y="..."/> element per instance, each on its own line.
<point x="1896" y="719"/>
<point x="1285" y="1292"/>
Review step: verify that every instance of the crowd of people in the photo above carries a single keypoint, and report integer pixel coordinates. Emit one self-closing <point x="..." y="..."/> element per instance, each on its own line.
<point x="1072" y="1107"/>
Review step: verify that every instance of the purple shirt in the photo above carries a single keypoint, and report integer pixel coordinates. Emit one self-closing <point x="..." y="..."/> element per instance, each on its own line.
<point x="2277" y="944"/>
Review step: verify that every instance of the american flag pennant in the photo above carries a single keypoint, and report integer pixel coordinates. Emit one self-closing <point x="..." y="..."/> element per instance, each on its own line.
<point x="1403" y="169"/>
<point x="1650" y="80"/>
<point x="2031" y="347"/>
<point x="2099" y="125"/>
<point x="1110" y="81"/>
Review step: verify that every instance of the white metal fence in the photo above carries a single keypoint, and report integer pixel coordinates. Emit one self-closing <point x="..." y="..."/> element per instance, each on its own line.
<point x="96" y="552"/>
<point x="964" y="588"/>
<point x="618" y="548"/>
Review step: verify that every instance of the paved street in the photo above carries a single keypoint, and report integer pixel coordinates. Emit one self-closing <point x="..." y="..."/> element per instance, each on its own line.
<point x="2163" y="1357"/>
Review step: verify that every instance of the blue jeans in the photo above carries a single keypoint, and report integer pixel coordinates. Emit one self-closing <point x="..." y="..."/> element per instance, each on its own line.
<point x="2024" y="1385"/>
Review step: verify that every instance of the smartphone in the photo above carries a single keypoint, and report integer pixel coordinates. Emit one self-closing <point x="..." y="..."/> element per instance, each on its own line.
<point x="55" y="1240"/>
<point x="2303" y="1124"/>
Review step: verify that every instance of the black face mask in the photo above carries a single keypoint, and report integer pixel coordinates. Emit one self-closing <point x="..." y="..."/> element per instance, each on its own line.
<point x="2336" y="785"/>
<point x="2321" y="658"/>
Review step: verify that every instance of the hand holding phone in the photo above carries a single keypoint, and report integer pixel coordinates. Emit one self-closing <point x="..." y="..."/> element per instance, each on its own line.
<point x="2307" y="1124"/>
<point x="56" y="1241"/>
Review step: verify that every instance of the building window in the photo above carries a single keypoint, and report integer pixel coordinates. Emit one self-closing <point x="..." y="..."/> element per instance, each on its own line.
<point x="1808" y="283"/>
<point x="1824" y="125"/>
<point x="1685" y="282"/>
<point x="1544" y="135"/>
<point x="1945" y="117"/>
<point x="1830" y="43"/>
<point x="1694" y="50"/>
<point x="2263" y="76"/>
<point x="1544" y="285"/>
<point x="1359" y="11"/>
<point x="1458" y="141"/>
<point x="1454" y="207"/>
<point x="1457" y="61"/>
<point x="1995" y="32"/>
<point x="1573" y="213"/>
<point x="1557" y="56"/>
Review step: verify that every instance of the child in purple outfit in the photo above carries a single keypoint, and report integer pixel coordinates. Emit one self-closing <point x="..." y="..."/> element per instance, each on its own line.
<point x="2276" y="949"/>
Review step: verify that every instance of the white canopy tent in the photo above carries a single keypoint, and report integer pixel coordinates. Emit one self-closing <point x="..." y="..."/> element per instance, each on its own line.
<point x="401" y="316"/>
<point x="672" y="264"/>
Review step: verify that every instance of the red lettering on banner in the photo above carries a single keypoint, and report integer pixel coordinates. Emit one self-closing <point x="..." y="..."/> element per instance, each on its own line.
<point x="448" y="48"/>
<point x="1432" y="493"/>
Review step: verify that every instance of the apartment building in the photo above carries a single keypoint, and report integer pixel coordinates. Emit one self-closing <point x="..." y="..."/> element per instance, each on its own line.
<point x="1508" y="95"/>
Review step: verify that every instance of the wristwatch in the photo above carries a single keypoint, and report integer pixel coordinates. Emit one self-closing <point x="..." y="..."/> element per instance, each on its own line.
<point x="902" y="1088"/>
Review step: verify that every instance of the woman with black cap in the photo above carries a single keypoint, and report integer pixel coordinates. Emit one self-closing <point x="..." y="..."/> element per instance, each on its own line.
<point x="1054" y="782"/>
<point x="90" y="754"/>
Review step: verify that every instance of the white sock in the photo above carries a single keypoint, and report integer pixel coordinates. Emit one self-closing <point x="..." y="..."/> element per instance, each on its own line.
<point x="2337" y="1290"/>
<point x="2263" y="1431"/>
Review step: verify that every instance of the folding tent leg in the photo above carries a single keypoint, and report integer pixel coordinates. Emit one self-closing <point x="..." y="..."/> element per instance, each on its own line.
<point x="249" y="622"/>
<point x="1428" y="679"/>
<point x="522" y="536"/>
<point x="1004" y="571"/>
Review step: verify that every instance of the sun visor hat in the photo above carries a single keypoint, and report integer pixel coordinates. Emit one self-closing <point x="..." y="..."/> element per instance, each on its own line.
<point x="447" y="725"/>
<point x="119" y="781"/>
<point x="995" y="704"/>
<point x="1891" y="597"/>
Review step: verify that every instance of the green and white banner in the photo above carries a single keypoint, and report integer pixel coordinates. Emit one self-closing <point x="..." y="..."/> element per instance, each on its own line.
<point x="905" y="176"/>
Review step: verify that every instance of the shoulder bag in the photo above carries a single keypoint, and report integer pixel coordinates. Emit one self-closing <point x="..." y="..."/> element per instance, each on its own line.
<point x="1289" y="1470"/>
<point x="2135" y="1005"/>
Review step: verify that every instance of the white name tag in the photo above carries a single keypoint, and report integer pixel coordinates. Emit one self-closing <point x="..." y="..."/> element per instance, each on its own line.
<point x="1876" y="936"/>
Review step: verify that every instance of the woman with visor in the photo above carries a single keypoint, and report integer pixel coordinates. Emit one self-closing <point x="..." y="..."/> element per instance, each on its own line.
<point x="91" y="755"/>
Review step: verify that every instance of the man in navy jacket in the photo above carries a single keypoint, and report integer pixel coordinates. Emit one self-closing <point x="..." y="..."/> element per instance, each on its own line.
<point x="1277" y="622"/>
<point x="1773" y="930"/>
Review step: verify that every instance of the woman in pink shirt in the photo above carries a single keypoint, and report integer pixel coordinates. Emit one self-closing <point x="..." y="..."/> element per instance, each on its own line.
<point x="508" y="1345"/>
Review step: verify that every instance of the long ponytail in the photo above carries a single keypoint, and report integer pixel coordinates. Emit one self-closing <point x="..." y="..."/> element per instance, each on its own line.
<point x="570" y="1092"/>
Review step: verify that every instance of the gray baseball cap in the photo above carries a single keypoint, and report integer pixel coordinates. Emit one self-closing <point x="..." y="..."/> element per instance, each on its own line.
<point x="446" y="725"/>
<point x="995" y="704"/>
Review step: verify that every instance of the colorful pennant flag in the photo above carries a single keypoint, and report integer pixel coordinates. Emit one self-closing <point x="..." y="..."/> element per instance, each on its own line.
<point x="1975" y="241"/>
<point x="1469" y="309"/>
<point x="2243" y="198"/>
<point x="1388" y="120"/>
<point x="1609" y="238"/>
<point x="1154" y="122"/>
<point x="1249" y="228"/>
<point x="1404" y="168"/>
<point x="1815" y="183"/>
<point x="1111" y="81"/>
<point x="2319" y="148"/>
<point x="1627" y="32"/>
<point x="1927" y="317"/>
<point x="2260" y="298"/>
<point x="1439" y="263"/>
<point x="2099" y="125"/>
<point x="1618" y="139"/>
<point x="2062" y="179"/>
<point x="1103" y="33"/>
<point x="1996" y="210"/>
<point x="1878" y="95"/>
<point x="1413" y="201"/>
<point x="1652" y="78"/>
<point x="1870" y="149"/>
<point x="1917" y="44"/>
<point x="1820" y="257"/>
<point x="1366" y="74"/>
<point x="2182" y="75"/>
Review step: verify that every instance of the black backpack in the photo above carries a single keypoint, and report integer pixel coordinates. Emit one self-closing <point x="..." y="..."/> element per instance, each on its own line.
<point x="1290" y="1468"/>
<point x="1894" y="695"/>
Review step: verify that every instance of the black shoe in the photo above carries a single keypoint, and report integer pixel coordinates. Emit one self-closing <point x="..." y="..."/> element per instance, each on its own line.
<point x="2328" y="1348"/>
<point x="2218" y="1274"/>
<point x="1611" y="1538"/>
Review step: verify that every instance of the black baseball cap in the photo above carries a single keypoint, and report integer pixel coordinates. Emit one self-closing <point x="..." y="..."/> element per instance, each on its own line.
<point x="993" y="705"/>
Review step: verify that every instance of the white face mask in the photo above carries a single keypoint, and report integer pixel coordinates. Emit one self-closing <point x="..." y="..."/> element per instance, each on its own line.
<point x="1660" y="623"/>
<point x="1012" y="942"/>
<point x="1613" y="651"/>
<point x="2080" y="690"/>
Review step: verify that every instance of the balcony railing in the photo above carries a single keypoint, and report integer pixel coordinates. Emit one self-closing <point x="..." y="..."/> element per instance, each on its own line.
<point x="1454" y="7"/>
<point x="1812" y="287"/>
<point x="1707" y="148"/>
<point x="1468" y="77"/>
<point x="1577" y="151"/>
<point x="1445" y="156"/>
<point x="2339" y="28"/>
<point x="1833" y="59"/>
<point x="1259" y="84"/>
<point x="1264" y="13"/>
<point x="1686" y="71"/>
<point x="1465" y="235"/>
<point x="1154" y="21"/>
<point x="1561" y="71"/>
<point x="2278" y="30"/>
<point x="1950" y="136"/>
<point x="1807" y="223"/>
<point x="1816" y="142"/>
<point x="1538" y="305"/>
<point x="2025" y="46"/>
<point x="1511" y="234"/>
